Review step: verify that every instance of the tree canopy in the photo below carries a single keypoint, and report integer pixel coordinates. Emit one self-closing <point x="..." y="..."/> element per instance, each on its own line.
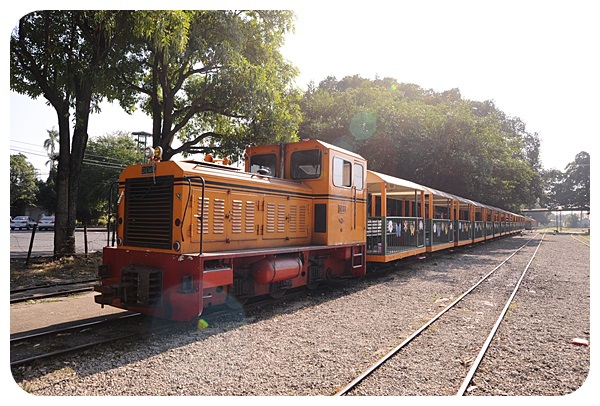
<point x="571" y="189"/>
<point x="105" y="158"/>
<point x="440" y="140"/>
<point x="23" y="184"/>
<point x="63" y="56"/>
<point x="211" y="79"/>
<point x="214" y="79"/>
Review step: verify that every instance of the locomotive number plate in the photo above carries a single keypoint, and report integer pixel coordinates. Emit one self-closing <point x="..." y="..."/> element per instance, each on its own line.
<point x="341" y="208"/>
<point x="148" y="169"/>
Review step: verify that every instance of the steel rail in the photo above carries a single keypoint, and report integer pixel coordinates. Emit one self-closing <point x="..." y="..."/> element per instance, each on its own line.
<point x="47" y="290"/>
<point x="29" y="335"/>
<point x="50" y="285"/>
<point x="393" y="352"/>
<point x="587" y="244"/>
<point x="88" y="345"/>
<point x="488" y="341"/>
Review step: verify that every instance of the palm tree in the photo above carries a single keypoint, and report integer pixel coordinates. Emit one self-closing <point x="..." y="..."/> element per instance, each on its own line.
<point x="49" y="146"/>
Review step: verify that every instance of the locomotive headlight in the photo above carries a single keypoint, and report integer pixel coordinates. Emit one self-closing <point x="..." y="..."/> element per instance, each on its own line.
<point x="176" y="245"/>
<point x="149" y="153"/>
<point x="153" y="154"/>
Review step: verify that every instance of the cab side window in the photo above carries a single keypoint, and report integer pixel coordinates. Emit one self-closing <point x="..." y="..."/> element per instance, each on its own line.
<point x="342" y="172"/>
<point x="359" y="176"/>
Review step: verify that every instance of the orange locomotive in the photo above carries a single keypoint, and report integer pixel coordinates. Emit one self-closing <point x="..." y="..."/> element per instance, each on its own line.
<point x="190" y="235"/>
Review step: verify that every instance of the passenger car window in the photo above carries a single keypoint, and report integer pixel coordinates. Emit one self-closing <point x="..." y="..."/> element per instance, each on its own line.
<point x="305" y="164"/>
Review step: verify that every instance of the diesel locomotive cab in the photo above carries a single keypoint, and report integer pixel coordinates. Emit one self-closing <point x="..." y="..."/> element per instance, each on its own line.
<point x="337" y="178"/>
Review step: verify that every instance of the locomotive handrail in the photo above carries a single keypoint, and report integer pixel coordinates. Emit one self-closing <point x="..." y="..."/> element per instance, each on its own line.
<point x="201" y="179"/>
<point x="111" y="215"/>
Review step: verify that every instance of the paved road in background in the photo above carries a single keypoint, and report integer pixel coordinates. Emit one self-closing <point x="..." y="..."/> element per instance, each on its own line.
<point x="43" y="242"/>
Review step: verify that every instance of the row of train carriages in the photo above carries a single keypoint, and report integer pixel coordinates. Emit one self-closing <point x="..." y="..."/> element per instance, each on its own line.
<point x="420" y="219"/>
<point x="190" y="235"/>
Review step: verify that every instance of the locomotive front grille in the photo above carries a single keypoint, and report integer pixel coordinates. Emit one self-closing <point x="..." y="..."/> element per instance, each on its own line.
<point x="148" y="215"/>
<point x="142" y="286"/>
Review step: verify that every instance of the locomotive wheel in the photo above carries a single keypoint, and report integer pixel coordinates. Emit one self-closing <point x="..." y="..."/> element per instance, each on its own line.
<point x="312" y="285"/>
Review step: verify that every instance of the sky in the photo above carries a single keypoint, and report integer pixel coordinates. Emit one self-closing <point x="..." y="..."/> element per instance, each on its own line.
<point x="536" y="60"/>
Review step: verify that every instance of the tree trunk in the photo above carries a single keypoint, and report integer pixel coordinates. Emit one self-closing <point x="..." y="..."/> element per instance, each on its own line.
<point x="64" y="241"/>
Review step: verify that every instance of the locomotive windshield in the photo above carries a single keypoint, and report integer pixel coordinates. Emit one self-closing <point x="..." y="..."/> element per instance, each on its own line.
<point x="265" y="164"/>
<point x="306" y="164"/>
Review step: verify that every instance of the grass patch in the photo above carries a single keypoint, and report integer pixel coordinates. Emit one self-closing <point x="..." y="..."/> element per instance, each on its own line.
<point x="42" y="271"/>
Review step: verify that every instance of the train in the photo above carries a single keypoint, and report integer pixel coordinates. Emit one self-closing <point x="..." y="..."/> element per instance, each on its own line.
<point x="189" y="235"/>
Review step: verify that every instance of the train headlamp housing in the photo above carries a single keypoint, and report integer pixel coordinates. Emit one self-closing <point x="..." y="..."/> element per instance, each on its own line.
<point x="154" y="154"/>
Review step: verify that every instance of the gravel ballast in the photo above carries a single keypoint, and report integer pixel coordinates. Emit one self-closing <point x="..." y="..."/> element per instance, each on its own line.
<point x="314" y="346"/>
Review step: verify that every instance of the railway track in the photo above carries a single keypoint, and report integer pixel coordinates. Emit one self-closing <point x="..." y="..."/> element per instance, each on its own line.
<point x="50" y="290"/>
<point x="581" y="240"/>
<point x="79" y="335"/>
<point x="462" y="315"/>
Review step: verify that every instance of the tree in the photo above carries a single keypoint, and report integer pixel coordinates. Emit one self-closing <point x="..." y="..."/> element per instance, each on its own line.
<point x="554" y="189"/>
<point x="214" y="79"/>
<point x="50" y="147"/>
<point x="47" y="197"/>
<point x="440" y="140"/>
<point x="23" y="185"/>
<point x="575" y="190"/>
<point x="105" y="158"/>
<point x="62" y="56"/>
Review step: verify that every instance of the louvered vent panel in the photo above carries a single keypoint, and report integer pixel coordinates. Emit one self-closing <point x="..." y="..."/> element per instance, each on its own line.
<point x="281" y="218"/>
<point x="219" y="216"/>
<point x="250" y="217"/>
<point x="302" y="219"/>
<point x="149" y="212"/>
<point x="293" y="218"/>
<point x="270" y="226"/>
<point x="205" y="224"/>
<point x="237" y="215"/>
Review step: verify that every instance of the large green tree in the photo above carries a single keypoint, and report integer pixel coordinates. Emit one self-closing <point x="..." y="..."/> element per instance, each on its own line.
<point x="23" y="185"/>
<point x="105" y="157"/>
<point x="441" y="140"/>
<point x="578" y="181"/>
<point x="571" y="189"/>
<point x="212" y="79"/>
<point x="62" y="56"/>
<point x="209" y="78"/>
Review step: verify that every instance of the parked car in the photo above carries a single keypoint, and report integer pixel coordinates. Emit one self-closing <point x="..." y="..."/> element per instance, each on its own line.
<point x="46" y="223"/>
<point x="22" y="222"/>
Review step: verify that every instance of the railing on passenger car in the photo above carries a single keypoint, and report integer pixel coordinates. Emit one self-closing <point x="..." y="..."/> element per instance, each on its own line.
<point x="440" y="231"/>
<point x="497" y="228"/>
<point x="479" y="230"/>
<point x="390" y="235"/>
<point x="464" y="230"/>
<point x="489" y="229"/>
